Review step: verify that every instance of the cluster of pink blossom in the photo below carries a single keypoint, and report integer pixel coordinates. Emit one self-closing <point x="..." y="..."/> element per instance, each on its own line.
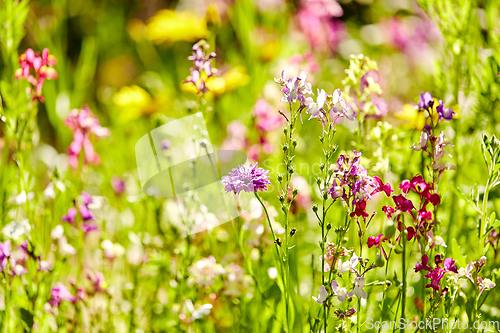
<point x="84" y="125"/>
<point x="36" y="69"/>
<point x="85" y="213"/>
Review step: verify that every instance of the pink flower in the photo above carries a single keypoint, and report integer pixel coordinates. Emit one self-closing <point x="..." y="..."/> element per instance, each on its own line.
<point x="60" y="293"/>
<point x="85" y="126"/>
<point x="118" y="185"/>
<point x="36" y="70"/>
<point x="267" y="118"/>
<point x="70" y="216"/>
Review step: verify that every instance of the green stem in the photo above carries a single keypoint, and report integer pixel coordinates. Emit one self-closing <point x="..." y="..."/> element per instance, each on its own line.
<point x="403" y="267"/>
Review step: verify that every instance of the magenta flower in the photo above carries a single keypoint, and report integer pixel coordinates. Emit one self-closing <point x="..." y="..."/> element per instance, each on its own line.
<point x="246" y="178"/>
<point x="375" y="241"/>
<point x="381" y="187"/>
<point x="88" y="227"/>
<point x="85" y="213"/>
<point x="4" y="254"/>
<point x="60" y="293"/>
<point x="70" y="216"/>
<point x="422" y="265"/>
<point x="36" y="70"/>
<point x="403" y="204"/>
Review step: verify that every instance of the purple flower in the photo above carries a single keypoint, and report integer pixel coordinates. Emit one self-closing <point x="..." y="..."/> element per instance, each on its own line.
<point x="246" y="178"/>
<point x="86" y="198"/>
<point x="444" y="113"/>
<point x="426" y="101"/>
<point x="294" y="89"/>
<point x="85" y="213"/>
<point x="70" y="216"/>
<point x="60" y="293"/>
<point x="202" y="63"/>
<point x="339" y="106"/>
<point x="88" y="227"/>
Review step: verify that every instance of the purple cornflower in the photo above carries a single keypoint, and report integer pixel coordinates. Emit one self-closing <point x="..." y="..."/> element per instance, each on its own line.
<point x="246" y="178"/>
<point x="60" y="293"/>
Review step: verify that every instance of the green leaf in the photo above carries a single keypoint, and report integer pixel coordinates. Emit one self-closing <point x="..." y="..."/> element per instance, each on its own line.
<point x="457" y="253"/>
<point x="27" y="317"/>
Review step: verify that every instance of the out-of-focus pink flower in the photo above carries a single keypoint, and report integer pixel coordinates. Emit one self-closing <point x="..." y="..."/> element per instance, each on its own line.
<point x="84" y="125"/>
<point x="236" y="139"/>
<point x="316" y="19"/>
<point x="118" y="185"/>
<point x="267" y="118"/>
<point x="60" y="293"/>
<point x="4" y="254"/>
<point x="36" y="69"/>
<point x="70" y="216"/>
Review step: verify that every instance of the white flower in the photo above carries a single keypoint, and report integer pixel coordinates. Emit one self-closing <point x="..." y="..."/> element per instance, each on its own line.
<point x="15" y="230"/>
<point x="64" y="248"/>
<point x="359" y="283"/>
<point x="350" y="264"/>
<point x="273" y="273"/>
<point x="322" y="295"/>
<point x="340" y="292"/>
<point x="112" y="250"/>
<point x="423" y="142"/>
<point x="438" y="240"/>
<point x="314" y="108"/>
<point x="49" y="192"/>
<point x="57" y="232"/>
<point x="488" y="284"/>
<point x="339" y="106"/>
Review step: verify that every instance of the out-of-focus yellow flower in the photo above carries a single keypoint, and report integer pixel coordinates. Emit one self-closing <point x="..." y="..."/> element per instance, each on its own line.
<point x="213" y="17"/>
<point x="218" y="85"/>
<point x="135" y="101"/>
<point x="136" y="29"/>
<point x="172" y="26"/>
<point x="412" y="116"/>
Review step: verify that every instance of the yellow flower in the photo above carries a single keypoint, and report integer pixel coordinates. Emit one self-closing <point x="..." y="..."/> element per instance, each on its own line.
<point x="412" y="116"/>
<point x="172" y="26"/>
<point x="135" y="101"/>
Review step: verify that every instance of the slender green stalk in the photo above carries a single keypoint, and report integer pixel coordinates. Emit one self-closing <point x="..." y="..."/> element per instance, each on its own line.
<point x="403" y="267"/>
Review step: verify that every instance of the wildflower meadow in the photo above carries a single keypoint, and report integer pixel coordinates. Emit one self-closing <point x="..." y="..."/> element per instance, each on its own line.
<point x="249" y="166"/>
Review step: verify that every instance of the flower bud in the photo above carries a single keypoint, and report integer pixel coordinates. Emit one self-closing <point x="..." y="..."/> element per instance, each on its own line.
<point x="280" y="177"/>
<point x="380" y="262"/>
<point x="295" y="192"/>
<point x="390" y="231"/>
<point x="285" y="148"/>
<point x="292" y="232"/>
<point x="294" y="143"/>
<point x="398" y="249"/>
<point x="315" y="208"/>
<point x="328" y="226"/>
